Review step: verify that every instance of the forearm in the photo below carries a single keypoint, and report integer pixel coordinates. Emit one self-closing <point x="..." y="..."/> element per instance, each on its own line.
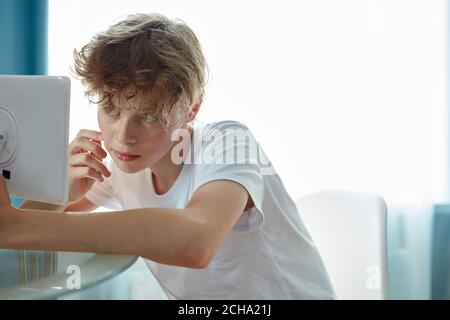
<point x="35" y="205"/>
<point x="164" y="235"/>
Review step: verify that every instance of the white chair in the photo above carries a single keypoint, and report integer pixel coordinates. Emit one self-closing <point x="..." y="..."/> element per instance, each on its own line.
<point x="349" y="230"/>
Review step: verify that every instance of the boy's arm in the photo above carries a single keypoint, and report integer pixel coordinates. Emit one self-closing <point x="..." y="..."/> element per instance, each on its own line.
<point x="82" y="205"/>
<point x="185" y="237"/>
<point x="36" y="205"/>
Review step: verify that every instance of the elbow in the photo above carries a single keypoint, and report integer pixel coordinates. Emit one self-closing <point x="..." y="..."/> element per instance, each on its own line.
<point x="194" y="259"/>
<point x="197" y="257"/>
<point x="190" y="254"/>
<point x="199" y="263"/>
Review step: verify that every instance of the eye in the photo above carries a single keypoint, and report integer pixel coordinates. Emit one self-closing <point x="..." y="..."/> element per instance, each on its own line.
<point x="147" y="117"/>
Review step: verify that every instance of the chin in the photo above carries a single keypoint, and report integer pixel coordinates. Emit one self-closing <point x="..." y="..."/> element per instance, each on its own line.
<point x="129" y="167"/>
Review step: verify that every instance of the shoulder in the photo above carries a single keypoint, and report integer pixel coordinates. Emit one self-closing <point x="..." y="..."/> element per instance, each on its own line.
<point x="225" y="124"/>
<point x="225" y="128"/>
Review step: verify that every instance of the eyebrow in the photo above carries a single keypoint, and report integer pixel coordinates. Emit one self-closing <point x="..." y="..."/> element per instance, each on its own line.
<point x="146" y="109"/>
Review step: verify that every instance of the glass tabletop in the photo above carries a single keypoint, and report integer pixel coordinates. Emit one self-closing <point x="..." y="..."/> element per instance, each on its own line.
<point x="48" y="275"/>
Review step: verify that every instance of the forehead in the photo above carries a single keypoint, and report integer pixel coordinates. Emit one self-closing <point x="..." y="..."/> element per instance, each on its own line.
<point x="134" y="100"/>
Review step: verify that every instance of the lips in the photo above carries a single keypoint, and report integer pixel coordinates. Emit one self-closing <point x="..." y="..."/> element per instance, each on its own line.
<point x="126" y="156"/>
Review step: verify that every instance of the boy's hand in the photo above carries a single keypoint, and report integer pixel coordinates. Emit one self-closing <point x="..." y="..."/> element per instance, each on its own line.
<point x="5" y="201"/>
<point x="7" y="212"/>
<point x="85" y="163"/>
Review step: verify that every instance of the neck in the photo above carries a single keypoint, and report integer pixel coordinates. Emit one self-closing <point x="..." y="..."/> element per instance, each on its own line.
<point x="165" y="172"/>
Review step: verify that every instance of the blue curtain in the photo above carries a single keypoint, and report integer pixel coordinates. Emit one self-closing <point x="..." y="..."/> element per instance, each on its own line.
<point x="23" y="41"/>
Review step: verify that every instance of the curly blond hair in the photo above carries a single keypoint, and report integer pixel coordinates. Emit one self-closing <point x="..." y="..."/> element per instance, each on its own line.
<point x="158" y="58"/>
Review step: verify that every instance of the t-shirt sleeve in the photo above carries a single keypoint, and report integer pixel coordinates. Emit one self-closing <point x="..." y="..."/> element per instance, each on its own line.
<point x="230" y="152"/>
<point x="102" y="193"/>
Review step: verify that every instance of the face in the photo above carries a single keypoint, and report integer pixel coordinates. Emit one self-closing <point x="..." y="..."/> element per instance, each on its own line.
<point x="139" y="135"/>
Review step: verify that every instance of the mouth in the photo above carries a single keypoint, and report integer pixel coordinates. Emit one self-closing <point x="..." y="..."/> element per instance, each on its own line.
<point x="126" y="156"/>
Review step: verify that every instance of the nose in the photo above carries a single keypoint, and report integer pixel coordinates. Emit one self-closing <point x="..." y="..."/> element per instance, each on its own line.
<point x="126" y="133"/>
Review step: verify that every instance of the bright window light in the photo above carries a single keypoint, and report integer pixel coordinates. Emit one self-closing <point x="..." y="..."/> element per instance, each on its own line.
<point x="343" y="94"/>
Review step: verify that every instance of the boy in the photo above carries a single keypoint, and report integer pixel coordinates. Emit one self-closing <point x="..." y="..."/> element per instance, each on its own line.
<point x="200" y="202"/>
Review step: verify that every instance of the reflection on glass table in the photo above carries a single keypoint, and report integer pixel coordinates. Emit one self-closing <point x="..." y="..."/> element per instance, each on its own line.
<point x="49" y="275"/>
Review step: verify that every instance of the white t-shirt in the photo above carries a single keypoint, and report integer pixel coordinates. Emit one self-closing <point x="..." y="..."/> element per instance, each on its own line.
<point x="268" y="254"/>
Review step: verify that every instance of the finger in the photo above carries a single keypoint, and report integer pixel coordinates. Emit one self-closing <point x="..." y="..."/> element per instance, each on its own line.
<point x="86" y="172"/>
<point x="85" y="133"/>
<point x="4" y="193"/>
<point x="92" y="134"/>
<point x="95" y="156"/>
<point x="83" y="144"/>
<point x="85" y="159"/>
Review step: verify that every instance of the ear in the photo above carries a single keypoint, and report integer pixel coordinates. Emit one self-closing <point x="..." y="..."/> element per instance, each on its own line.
<point x="193" y="113"/>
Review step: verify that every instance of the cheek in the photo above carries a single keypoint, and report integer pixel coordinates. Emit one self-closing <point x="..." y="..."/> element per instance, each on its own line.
<point x="106" y="133"/>
<point x="159" y="140"/>
<point x="101" y="119"/>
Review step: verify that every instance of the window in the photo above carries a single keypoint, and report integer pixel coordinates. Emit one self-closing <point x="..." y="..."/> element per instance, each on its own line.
<point x="341" y="94"/>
